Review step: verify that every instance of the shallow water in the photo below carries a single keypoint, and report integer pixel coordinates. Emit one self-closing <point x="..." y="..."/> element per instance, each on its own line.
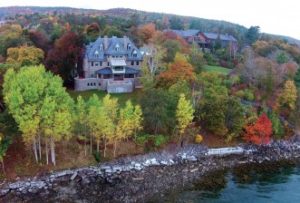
<point x="247" y="185"/>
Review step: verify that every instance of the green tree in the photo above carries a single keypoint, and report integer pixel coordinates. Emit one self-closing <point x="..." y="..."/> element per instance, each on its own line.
<point x="196" y="58"/>
<point x="252" y="34"/>
<point x="40" y="106"/>
<point x="278" y="129"/>
<point x="184" y="114"/>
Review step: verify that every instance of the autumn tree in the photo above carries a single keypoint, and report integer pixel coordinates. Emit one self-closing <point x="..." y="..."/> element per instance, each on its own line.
<point x="180" y="69"/>
<point x="288" y="97"/>
<point x="80" y="121"/>
<point x="146" y="32"/>
<point x="10" y="36"/>
<point x="260" y="132"/>
<point x="95" y="119"/>
<point x="24" y="56"/>
<point x="65" y="56"/>
<point x="92" y="31"/>
<point x="40" y="106"/>
<point x="40" y="40"/>
<point x="184" y="114"/>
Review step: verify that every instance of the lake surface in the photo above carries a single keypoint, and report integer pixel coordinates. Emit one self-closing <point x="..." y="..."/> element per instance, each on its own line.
<point x="262" y="185"/>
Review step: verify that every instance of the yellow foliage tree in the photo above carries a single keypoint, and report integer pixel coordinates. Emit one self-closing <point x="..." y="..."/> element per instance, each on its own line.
<point x="184" y="114"/>
<point x="24" y="56"/>
<point x="288" y="97"/>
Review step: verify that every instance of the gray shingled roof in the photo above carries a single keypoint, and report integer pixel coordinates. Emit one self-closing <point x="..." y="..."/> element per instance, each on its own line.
<point x="209" y="35"/>
<point x="223" y="37"/>
<point x="186" y="33"/>
<point x="96" y="51"/>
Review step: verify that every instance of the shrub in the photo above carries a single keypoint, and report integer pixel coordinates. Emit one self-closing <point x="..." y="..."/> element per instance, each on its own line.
<point x="249" y="95"/>
<point x="198" y="139"/>
<point x="160" y="140"/>
<point x="97" y="156"/>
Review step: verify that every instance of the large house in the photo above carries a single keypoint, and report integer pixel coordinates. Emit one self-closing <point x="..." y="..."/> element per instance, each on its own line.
<point x="111" y="64"/>
<point x="208" y="40"/>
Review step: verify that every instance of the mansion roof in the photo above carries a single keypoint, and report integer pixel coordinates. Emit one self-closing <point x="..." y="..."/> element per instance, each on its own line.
<point x="208" y="35"/>
<point x="104" y="47"/>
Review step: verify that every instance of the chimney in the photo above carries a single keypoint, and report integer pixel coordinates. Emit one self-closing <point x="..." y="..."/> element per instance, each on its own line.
<point x="105" y="42"/>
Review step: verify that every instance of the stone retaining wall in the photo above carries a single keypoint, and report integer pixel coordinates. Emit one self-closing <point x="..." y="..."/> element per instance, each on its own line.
<point x="139" y="178"/>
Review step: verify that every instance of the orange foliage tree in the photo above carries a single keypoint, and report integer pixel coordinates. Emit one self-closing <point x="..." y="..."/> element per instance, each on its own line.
<point x="146" y="32"/>
<point x="260" y="132"/>
<point x="179" y="70"/>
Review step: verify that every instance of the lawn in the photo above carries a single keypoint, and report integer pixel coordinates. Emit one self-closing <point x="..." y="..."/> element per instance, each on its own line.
<point x="217" y="69"/>
<point x="122" y="97"/>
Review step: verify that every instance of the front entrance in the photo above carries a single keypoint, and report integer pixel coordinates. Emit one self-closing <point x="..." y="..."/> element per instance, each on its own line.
<point x="118" y="76"/>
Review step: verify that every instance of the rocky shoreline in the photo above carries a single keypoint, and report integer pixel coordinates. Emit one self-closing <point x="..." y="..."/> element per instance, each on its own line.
<point x="139" y="178"/>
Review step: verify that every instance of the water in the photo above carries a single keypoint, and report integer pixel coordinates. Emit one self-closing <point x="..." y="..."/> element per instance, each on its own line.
<point x="245" y="185"/>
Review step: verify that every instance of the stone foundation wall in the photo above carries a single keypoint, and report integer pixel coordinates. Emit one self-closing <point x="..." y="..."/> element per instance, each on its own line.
<point x="139" y="178"/>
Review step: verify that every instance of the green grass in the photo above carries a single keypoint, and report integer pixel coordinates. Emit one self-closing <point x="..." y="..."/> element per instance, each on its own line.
<point x="122" y="97"/>
<point x="217" y="69"/>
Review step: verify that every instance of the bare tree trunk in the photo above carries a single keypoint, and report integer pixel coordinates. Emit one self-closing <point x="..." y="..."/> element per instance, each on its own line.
<point x="85" y="147"/>
<point x="3" y="168"/>
<point x="91" y="144"/>
<point x="47" y="151"/>
<point x="115" y="148"/>
<point x="52" y="148"/>
<point x="40" y="148"/>
<point x="35" y="150"/>
<point x="104" y="151"/>
<point x="98" y="143"/>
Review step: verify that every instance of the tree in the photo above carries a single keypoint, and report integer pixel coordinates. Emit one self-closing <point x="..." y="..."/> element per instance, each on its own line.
<point x="24" y="56"/>
<point x="110" y="109"/>
<point x="278" y="129"/>
<point x="260" y="132"/>
<point x="10" y="36"/>
<point x="65" y="56"/>
<point x="92" y="31"/>
<point x="184" y="114"/>
<point x="176" y="23"/>
<point x="252" y="34"/>
<point x="234" y="117"/>
<point x="288" y="97"/>
<point x="80" y="121"/>
<point x="146" y="32"/>
<point x="179" y="70"/>
<point x="40" y="106"/>
<point x="159" y="109"/>
<point x="96" y="119"/>
<point x="196" y="59"/>
<point x="40" y="40"/>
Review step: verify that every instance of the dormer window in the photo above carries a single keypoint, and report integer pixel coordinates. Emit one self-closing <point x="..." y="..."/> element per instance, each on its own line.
<point x="129" y="46"/>
<point x="117" y="47"/>
<point x="96" y="53"/>
<point x="101" y="47"/>
<point x="134" y="53"/>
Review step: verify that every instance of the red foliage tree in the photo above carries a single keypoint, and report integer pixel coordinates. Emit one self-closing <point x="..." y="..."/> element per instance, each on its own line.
<point x="67" y="52"/>
<point x="40" y="40"/>
<point x="260" y="132"/>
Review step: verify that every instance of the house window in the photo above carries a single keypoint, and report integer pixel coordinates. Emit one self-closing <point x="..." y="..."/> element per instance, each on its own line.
<point x="107" y="76"/>
<point x="92" y="63"/>
<point x="99" y="84"/>
<point x="96" y="64"/>
<point x="107" y="63"/>
<point x="129" y="75"/>
<point x="132" y="63"/>
<point x="137" y="63"/>
<point x="88" y="84"/>
<point x="94" y="84"/>
<point x="100" y="63"/>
